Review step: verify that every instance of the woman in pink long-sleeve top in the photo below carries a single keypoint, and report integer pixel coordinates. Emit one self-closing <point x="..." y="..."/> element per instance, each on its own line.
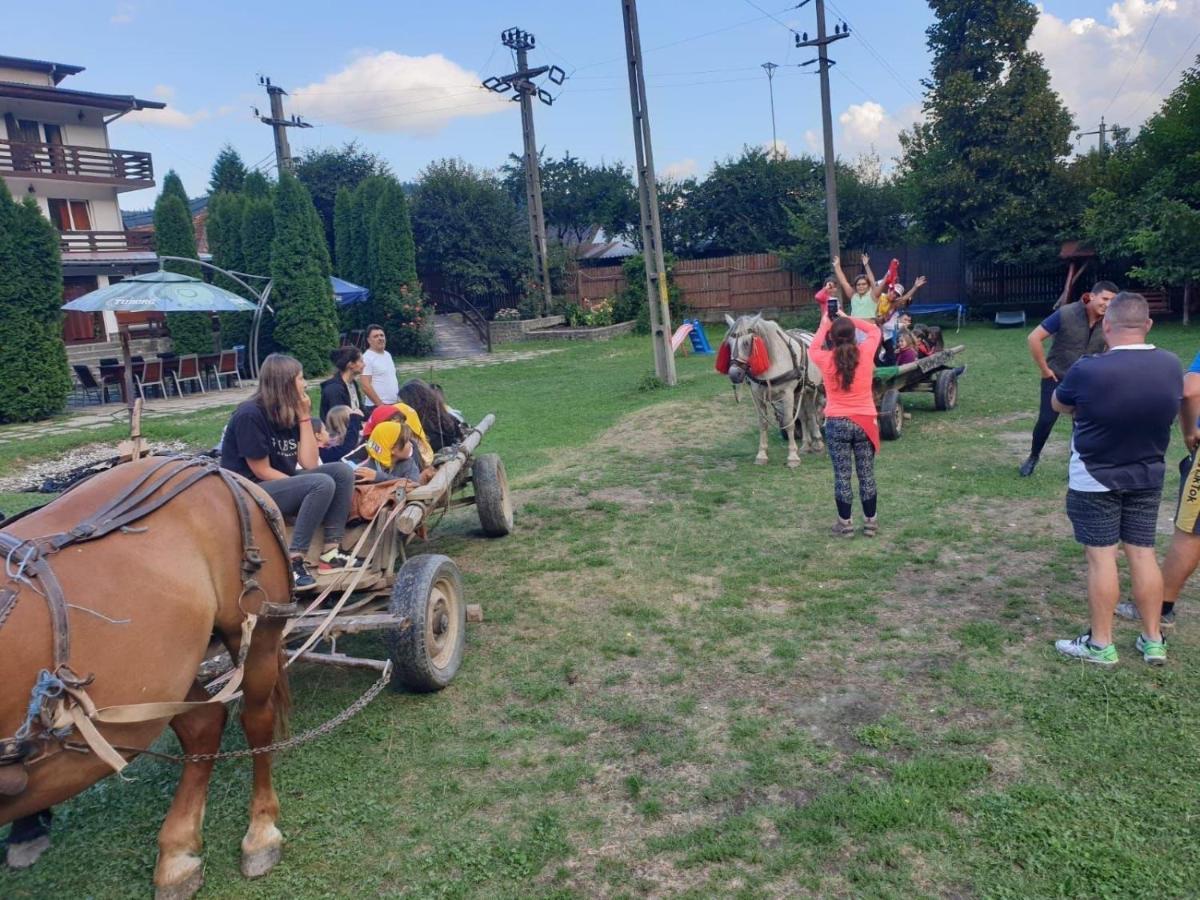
<point x="851" y="422"/>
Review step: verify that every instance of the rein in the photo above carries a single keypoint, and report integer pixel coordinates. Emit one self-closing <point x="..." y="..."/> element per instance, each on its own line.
<point x="59" y="701"/>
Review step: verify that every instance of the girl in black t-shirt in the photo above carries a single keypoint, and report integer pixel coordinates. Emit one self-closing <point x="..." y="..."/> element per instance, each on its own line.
<point x="270" y="440"/>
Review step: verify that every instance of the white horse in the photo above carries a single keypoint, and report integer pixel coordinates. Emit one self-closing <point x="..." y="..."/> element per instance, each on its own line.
<point x="791" y="385"/>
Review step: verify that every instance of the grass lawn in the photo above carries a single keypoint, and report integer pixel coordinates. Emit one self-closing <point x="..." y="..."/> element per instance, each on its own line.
<point x="684" y="686"/>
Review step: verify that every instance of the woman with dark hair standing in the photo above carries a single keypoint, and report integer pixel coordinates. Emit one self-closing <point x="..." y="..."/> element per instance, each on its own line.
<point x="341" y="388"/>
<point x="267" y="438"/>
<point x="851" y="422"/>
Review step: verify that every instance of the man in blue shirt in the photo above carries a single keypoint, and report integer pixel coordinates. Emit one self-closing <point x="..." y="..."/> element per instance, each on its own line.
<point x="1184" y="554"/>
<point x="1076" y="331"/>
<point x="1124" y="403"/>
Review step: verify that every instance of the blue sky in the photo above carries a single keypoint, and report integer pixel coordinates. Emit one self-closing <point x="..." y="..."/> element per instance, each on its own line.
<point x="400" y="76"/>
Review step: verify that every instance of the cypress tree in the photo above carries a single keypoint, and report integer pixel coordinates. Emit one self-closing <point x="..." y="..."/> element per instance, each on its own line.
<point x="395" y="292"/>
<point x="225" y="244"/>
<point x="255" y="184"/>
<point x="367" y="197"/>
<point x="34" y="377"/>
<point x="173" y="236"/>
<point x="258" y="230"/>
<point x="173" y="186"/>
<point x="343" y="209"/>
<point x="228" y="172"/>
<point x="305" y="315"/>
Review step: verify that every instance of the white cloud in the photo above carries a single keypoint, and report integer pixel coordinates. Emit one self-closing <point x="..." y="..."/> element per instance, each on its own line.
<point x="679" y="170"/>
<point x="869" y="127"/>
<point x="812" y="140"/>
<point x="171" y="116"/>
<point x="124" y="14"/>
<point x="1089" y="59"/>
<point x="389" y="92"/>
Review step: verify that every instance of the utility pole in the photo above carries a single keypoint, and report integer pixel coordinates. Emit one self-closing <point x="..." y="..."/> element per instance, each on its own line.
<point x="1102" y="131"/>
<point x="652" y="252"/>
<point x="279" y="124"/>
<point x="771" y="67"/>
<point x="824" y="62"/>
<point x="521" y="83"/>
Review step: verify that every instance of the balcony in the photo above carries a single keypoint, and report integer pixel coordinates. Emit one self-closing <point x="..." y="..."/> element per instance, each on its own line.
<point x="107" y="241"/>
<point x="128" y="168"/>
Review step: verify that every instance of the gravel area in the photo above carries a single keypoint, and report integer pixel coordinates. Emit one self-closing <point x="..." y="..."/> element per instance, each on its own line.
<point x="74" y="462"/>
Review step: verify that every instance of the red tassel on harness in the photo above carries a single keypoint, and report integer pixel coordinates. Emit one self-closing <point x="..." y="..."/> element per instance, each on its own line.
<point x="723" y="355"/>
<point x="759" y="360"/>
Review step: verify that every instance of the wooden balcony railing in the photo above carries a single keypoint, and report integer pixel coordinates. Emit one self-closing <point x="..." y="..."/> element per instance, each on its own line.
<point x="106" y="241"/>
<point x="72" y="163"/>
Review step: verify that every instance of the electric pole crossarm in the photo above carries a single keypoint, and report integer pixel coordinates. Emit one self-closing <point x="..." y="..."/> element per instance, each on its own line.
<point x="279" y="124"/>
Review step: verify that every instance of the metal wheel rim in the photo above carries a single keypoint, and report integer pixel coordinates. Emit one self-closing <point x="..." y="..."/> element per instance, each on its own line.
<point x="441" y="623"/>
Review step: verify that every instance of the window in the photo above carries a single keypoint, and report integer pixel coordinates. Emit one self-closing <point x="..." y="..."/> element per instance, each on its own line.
<point x="70" y="215"/>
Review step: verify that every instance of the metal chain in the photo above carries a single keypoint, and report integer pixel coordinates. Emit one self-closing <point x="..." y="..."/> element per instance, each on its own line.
<point x="340" y="719"/>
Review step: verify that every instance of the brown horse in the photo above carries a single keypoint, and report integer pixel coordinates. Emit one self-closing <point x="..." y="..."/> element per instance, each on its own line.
<point x="142" y="604"/>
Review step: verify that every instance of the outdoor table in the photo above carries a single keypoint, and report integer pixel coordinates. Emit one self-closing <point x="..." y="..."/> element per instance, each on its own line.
<point x="110" y="374"/>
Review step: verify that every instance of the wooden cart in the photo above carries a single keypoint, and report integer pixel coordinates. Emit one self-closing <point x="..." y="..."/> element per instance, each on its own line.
<point x="937" y="374"/>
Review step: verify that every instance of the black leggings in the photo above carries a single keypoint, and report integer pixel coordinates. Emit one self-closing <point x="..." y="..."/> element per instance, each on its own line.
<point x="1046" y="418"/>
<point x="848" y="444"/>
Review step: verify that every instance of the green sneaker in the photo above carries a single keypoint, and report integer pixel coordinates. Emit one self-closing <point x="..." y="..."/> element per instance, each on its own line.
<point x="1153" y="652"/>
<point x="1083" y="648"/>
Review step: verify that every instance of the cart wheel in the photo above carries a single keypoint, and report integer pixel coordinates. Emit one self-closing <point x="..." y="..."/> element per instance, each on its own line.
<point x="492" y="499"/>
<point x="891" y="415"/>
<point x="427" y="653"/>
<point x="945" y="390"/>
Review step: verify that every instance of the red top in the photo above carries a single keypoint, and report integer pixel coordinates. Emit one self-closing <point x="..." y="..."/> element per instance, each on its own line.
<point x="858" y="400"/>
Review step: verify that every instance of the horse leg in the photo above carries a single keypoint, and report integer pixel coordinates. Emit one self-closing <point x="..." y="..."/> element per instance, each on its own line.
<point x="790" y="399"/>
<point x="179" y="872"/>
<point x="763" y="405"/>
<point x="810" y="412"/>
<point x="264" y="688"/>
<point x="28" y="839"/>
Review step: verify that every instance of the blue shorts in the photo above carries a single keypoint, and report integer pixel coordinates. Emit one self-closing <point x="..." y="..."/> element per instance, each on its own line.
<point x="1106" y="518"/>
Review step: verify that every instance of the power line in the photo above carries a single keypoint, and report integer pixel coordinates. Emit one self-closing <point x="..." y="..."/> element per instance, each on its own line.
<point x="1129" y="71"/>
<point x="771" y="15"/>
<point x="858" y="35"/>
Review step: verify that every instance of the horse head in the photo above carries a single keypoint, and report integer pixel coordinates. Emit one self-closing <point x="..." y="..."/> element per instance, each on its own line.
<point x="740" y="340"/>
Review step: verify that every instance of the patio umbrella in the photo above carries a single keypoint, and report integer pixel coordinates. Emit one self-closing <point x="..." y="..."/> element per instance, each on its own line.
<point x="166" y="292"/>
<point x="348" y="293"/>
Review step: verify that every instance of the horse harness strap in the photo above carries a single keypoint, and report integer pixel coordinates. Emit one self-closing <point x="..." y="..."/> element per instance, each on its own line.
<point x="28" y="559"/>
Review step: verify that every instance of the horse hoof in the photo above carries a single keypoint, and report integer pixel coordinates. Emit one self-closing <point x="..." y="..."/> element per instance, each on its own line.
<point x="185" y="888"/>
<point x="760" y="460"/>
<point x="260" y="862"/>
<point x="793" y="463"/>
<point x="22" y="856"/>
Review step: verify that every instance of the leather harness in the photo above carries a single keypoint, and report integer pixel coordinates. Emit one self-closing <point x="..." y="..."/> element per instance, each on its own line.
<point x="27" y="560"/>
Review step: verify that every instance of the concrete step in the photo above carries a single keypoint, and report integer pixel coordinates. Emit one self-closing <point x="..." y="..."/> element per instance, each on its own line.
<point x="452" y="339"/>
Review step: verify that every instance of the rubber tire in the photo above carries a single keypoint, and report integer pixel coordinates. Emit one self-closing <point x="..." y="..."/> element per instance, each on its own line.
<point x="492" y="499"/>
<point x="891" y="415"/>
<point x="945" y="390"/>
<point x="424" y="583"/>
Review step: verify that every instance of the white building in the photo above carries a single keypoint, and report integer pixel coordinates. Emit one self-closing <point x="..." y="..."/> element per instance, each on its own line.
<point x="54" y="148"/>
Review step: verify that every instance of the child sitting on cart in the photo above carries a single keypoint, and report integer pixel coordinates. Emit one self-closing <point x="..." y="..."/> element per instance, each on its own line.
<point x="390" y="454"/>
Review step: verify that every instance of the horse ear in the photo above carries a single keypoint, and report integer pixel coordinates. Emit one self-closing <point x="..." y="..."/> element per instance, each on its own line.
<point x="757" y="319"/>
<point x="730" y="320"/>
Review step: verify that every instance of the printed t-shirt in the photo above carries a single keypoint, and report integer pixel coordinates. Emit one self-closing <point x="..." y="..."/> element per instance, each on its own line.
<point x="250" y="435"/>
<point x="383" y="375"/>
<point x="1125" y="403"/>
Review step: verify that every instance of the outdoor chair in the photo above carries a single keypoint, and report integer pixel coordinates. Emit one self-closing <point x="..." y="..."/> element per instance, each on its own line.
<point x="227" y="367"/>
<point x="1012" y="319"/>
<point x="88" y="384"/>
<point x="109" y="361"/>
<point x="151" y="376"/>
<point x="189" y="370"/>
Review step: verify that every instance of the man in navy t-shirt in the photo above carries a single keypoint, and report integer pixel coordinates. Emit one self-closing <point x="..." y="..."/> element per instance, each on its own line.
<point x="1184" y="554"/>
<point x="1124" y="403"/>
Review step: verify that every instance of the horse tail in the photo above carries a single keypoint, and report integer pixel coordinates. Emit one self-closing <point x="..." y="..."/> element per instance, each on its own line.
<point x="281" y="696"/>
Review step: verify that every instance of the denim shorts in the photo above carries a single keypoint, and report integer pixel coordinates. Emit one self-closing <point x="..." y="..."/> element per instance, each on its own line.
<point x="1106" y="518"/>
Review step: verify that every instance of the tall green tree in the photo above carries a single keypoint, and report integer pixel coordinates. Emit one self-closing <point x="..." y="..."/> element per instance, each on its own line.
<point x="987" y="165"/>
<point x="256" y="184"/>
<point x="34" y="377"/>
<point x="228" y="172"/>
<point x="173" y="186"/>
<point x="224" y="229"/>
<point x="174" y="236"/>
<point x="366" y="200"/>
<point x="305" y="315"/>
<point x="343" y="211"/>
<point x="577" y="196"/>
<point x="468" y="229"/>
<point x="395" y="292"/>
<point x="323" y="171"/>
<point x="258" y="233"/>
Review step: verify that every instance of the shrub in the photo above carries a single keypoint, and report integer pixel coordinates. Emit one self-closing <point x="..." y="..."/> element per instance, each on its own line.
<point x="631" y="303"/>
<point x="508" y="314"/>
<point x="34" y="378"/>
<point x="175" y="236"/>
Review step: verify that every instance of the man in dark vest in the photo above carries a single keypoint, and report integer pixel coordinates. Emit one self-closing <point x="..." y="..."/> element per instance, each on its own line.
<point x="1076" y="329"/>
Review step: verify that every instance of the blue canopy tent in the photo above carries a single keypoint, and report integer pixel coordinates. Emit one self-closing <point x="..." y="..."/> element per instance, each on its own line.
<point x="348" y="294"/>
